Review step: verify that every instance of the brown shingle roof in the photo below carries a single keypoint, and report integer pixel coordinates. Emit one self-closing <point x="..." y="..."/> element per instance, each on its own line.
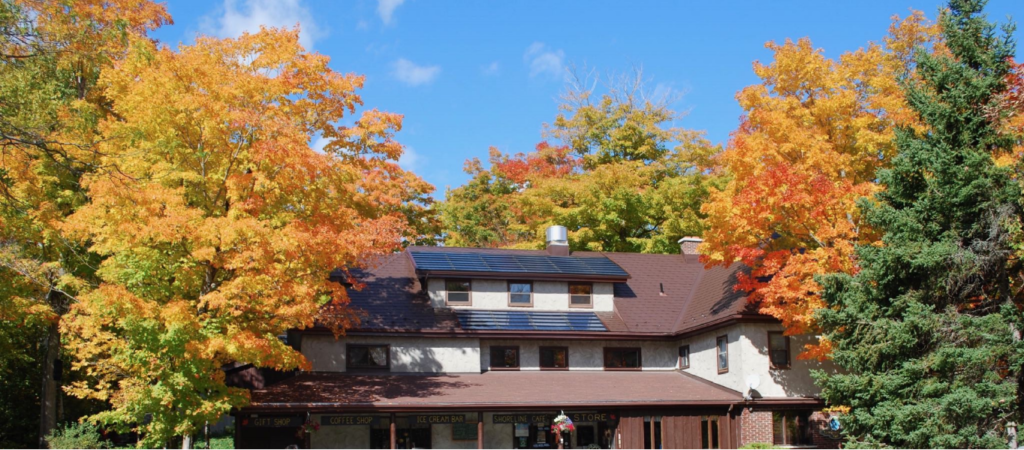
<point x="489" y="389"/>
<point x="666" y="294"/>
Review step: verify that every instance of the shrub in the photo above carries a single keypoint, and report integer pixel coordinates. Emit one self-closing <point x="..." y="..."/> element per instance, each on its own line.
<point x="757" y="445"/>
<point x="76" y="435"/>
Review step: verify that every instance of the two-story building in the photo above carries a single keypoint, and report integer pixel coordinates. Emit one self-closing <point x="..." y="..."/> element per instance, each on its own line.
<point x="481" y="348"/>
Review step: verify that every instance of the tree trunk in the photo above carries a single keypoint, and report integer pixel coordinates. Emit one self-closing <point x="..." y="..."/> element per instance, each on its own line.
<point x="48" y="392"/>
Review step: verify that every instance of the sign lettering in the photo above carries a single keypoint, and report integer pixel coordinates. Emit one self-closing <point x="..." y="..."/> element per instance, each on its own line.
<point x="589" y="417"/>
<point x="347" y="420"/>
<point x="440" y="418"/>
<point x="522" y="418"/>
<point x="273" y="422"/>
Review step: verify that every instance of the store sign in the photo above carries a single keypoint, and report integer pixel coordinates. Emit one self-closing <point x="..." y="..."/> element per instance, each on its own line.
<point x="272" y="422"/>
<point x="347" y="420"/>
<point x="441" y="418"/>
<point x="590" y="417"/>
<point x="522" y="418"/>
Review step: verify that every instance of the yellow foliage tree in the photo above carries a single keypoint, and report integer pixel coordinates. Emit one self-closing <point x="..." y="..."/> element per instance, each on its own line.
<point x="218" y="223"/>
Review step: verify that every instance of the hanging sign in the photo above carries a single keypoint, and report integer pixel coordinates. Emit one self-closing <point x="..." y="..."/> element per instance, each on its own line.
<point x="347" y="420"/>
<point x="440" y="418"/>
<point x="272" y="422"/>
<point x="522" y="418"/>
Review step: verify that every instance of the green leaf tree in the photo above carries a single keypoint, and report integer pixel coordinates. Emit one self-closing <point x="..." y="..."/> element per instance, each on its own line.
<point x="927" y="331"/>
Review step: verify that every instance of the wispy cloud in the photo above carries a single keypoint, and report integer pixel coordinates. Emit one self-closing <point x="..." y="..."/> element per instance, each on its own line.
<point x="544" y="61"/>
<point x="386" y="8"/>
<point x="410" y="160"/>
<point x="490" y="69"/>
<point x="238" y="16"/>
<point x="414" y="75"/>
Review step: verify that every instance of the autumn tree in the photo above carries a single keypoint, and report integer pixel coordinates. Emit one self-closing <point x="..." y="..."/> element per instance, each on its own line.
<point x="928" y="331"/>
<point x="617" y="172"/>
<point x="51" y="55"/>
<point x="814" y="133"/>
<point x="218" y="223"/>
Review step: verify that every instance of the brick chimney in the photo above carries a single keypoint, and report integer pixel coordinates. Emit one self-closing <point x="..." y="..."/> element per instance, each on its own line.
<point x="558" y="240"/>
<point x="688" y="247"/>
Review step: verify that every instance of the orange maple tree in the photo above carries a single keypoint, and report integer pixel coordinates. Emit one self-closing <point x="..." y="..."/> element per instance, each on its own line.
<point x="218" y="222"/>
<point x="814" y="133"/>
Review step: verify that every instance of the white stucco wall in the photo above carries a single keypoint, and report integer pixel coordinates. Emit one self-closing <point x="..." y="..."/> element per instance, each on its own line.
<point x="748" y="354"/>
<point x="586" y="355"/>
<point x="422" y="355"/>
<point x="547" y="296"/>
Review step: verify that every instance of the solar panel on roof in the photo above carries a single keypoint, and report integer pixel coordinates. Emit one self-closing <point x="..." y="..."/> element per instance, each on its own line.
<point x="477" y="262"/>
<point x="529" y="321"/>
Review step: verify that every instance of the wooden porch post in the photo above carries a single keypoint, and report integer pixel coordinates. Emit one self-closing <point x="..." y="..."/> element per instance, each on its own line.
<point x="479" y="430"/>
<point x="394" y="432"/>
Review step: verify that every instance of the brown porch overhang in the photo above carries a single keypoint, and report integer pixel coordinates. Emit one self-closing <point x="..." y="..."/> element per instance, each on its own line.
<point x="491" y="391"/>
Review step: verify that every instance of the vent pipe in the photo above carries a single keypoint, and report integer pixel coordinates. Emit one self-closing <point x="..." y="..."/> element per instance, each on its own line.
<point x="557" y="240"/>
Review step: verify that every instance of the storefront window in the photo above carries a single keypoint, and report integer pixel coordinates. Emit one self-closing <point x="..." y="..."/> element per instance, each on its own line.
<point x="709" y="432"/>
<point x="791" y="427"/>
<point x="504" y="358"/>
<point x="622" y="358"/>
<point x="652" y="432"/>
<point x="554" y="357"/>
<point x="367" y="357"/>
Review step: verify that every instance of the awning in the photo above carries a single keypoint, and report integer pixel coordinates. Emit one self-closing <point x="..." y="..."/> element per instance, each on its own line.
<point x="495" y="390"/>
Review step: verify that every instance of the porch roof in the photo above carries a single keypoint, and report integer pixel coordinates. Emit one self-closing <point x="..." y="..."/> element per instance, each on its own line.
<point x="495" y="390"/>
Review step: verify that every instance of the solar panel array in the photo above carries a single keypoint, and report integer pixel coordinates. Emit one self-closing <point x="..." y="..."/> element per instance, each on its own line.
<point x="530" y="321"/>
<point x="483" y="262"/>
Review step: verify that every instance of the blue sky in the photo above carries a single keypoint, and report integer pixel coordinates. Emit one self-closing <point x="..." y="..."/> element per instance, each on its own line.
<point x="470" y="75"/>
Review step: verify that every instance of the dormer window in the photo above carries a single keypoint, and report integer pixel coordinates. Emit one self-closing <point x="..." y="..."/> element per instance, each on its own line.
<point x="581" y="295"/>
<point x="520" y="293"/>
<point x="457" y="292"/>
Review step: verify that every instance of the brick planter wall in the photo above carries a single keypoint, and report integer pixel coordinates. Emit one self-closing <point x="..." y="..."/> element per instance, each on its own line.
<point x="755" y="426"/>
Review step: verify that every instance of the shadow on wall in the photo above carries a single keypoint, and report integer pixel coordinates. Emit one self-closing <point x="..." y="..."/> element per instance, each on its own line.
<point x="797" y="380"/>
<point x="418" y="358"/>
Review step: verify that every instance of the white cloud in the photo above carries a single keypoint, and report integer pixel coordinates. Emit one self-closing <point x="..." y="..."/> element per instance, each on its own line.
<point x="386" y="8"/>
<point x="238" y="16"/>
<point x="413" y="75"/>
<point x="319" y="143"/>
<point x="490" y="69"/>
<point x="543" y="60"/>
<point x="410" y="160"/>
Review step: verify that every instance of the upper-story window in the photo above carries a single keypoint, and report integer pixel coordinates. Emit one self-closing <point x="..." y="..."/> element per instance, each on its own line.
<point x="722" y="344"/>
<point x="520" y="293"/>
<point x="778" y="350"/>
<point x="619" y="358"/>
<point x="684" y="357"/>
<point x="358" y="356"/>
<point x="554" y="358"/>
<point x="581" y="295"/>
<point x="504" y="358"/>
<point x="458" y="292"/>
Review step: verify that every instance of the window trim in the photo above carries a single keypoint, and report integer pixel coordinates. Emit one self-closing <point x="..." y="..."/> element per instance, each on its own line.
<point x="470" y="292"/>
<point x="639" y="353"/>
<point x="789" y="355"/>
<point x="490" y="357"/>
<point x="508" y="289"/>
<point x="589" y="305"/>
<point x="540" y="359"/>
<point x="718" y="352"/>
<point x="348" y="357"/>
<point x="681" y="365"/>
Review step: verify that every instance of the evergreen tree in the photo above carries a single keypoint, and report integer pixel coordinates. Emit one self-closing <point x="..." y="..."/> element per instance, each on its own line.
<point x="926" y="332"/>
